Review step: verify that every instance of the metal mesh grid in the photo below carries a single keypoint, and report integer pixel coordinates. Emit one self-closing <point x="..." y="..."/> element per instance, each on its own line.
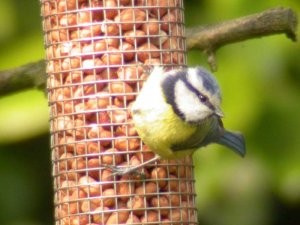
<point x="97" y="58"/>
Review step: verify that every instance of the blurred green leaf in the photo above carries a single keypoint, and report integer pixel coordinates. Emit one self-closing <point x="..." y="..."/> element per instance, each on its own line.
<point x="23" y="116"/>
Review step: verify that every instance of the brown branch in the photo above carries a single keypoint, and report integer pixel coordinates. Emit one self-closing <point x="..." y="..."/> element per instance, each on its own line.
<point x="32" y="75"/>
<point x="206" y="38"/>
<point x="270" y="22"/>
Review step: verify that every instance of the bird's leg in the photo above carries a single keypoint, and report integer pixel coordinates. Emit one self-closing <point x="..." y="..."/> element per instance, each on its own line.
<point x="131" y="169"/>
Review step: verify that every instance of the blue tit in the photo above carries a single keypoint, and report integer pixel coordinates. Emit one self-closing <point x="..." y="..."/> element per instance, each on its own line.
<point x="178" y="112"/>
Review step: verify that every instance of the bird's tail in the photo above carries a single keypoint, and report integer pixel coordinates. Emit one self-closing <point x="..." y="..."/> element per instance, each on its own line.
<point x="235" y="141"/>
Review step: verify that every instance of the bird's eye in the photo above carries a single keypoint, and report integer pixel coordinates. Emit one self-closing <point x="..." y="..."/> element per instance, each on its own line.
<point x="203" y="98"/>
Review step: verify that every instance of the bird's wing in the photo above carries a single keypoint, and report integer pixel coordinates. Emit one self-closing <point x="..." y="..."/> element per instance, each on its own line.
<point x="206" y="133"/>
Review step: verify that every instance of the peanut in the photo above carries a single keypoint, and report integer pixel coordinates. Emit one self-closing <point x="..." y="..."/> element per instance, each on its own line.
<point x="68" y="20"/>
<point x="124" y="144"/>
<point x="112" y="157"/>
<point x="96" y="47"/>
<point x="101" y="215"/>
<point x="169" y="21"/>
<point x="90" y="66"/>
<point x="161" y="6"/>
<point x="147" y="51"/>
<point x="88" y="206"/>
<point x="133" y="220"/>
<point x="65" y="161"/>
<point x="97" y="132"/>
<point x="79" y="164"/>
<point x="130" y="74"/>
<point x="126" y="129"/>
<point x="117" y="115"/>
<point x="94" y="164"/>
<point x="160" y="174"/>
<point x="160" y="203"/>
<point x="109" y="28"/>
<point x="137" y="205"/>
<point x="79" y="220"/>
<point x="125" y="188"/>
<point x="127" y="50"/>
<point x="118" y="217"/>
<point x="112" y="57"/>
<point x="145" y="155"/>
<point x="147" y="190"/>
<point x="106" y="178"/>
<point x="151" y="27"/>
<point x="131" y="17"/>
<point x="109" y="11"/>
<point x="150" y="217"/>
<point x="122" y="90"/>
<point x="109" y="199"/>
<point x="135" y="37"/>
<point x="90" y="186"/>
<point x="89" y="31"/>
<point x="178" y="215"/>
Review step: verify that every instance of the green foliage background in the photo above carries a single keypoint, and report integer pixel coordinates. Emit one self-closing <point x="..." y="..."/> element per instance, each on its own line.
<point x="260" y="80"/>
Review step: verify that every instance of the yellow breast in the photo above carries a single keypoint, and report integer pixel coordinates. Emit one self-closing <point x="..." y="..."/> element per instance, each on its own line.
<point x="160" y="128"/>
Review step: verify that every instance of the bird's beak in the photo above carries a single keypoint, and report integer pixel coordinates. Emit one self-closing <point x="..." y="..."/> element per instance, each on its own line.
<point x="219" y="112"/>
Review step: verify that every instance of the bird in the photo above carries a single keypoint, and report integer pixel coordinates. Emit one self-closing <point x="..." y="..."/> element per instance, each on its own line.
<point x="178" y="112"/>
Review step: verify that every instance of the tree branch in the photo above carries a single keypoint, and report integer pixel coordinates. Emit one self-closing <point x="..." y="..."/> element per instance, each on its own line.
<point x="210" y="38"/>
<point x="32" y="75"/>
<point x="206" y="38"/>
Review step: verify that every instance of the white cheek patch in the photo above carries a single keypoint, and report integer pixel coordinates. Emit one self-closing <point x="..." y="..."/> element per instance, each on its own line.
<point x="189" y="104"/>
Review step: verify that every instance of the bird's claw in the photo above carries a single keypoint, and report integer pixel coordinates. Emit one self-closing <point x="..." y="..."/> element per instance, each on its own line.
<point x="120" y="171"/>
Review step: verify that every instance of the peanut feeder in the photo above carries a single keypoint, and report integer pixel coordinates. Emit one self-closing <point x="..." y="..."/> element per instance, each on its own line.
<point x="97" y="55"/>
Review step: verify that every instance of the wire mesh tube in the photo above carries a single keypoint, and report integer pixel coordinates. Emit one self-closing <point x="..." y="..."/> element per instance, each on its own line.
<point x="97" y="55"/>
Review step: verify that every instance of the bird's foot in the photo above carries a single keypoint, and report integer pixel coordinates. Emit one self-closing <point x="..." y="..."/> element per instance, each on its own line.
<point x="130" y="170"/>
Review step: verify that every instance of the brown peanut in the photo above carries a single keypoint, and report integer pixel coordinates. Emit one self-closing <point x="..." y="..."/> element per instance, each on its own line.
<point x="125" y="188"/>
<point x="122" y="90"/>
<point x="137" y="205"/>
<point x="178" y="215"/>
<point x="109" y="11"/>
<point x="109" y="28"/>
<point x="113" y="56"/>
<point x="146" y="51"/>
<point x="112" y="157"/>
<point x="135" y="37"/>
<point x="79" y="220"/>
<point x="124" y="144"/>
<point x="133" y="220"/>
<point x="151" y="27"/>
<point x="127" y="50"/>
<point x="90" y="186"/>
<point x="109" y="199"/>
<point x="63" y="5"/>
<point x="131" y="17"/>
<point x="160" y="174"/>
<point x="118" y="217"/>
<point x="130" y="74"/>
<point x="160" y="203"/>
<point x="150" y="217"/>
<point x="88" y="206"/>
<point x="101" y="215"/>
<point x="161" y="6"/>
<point x="147" y="190"/>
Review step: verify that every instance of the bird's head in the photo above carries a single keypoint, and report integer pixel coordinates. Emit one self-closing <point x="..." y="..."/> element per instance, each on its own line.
<point x="193" y="93"/>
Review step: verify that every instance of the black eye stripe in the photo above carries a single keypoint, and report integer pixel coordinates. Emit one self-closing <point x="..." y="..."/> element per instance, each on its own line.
<point x="191" y="87"/>
<point x="197" y="92"/>
<point x="168" y="88"/>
